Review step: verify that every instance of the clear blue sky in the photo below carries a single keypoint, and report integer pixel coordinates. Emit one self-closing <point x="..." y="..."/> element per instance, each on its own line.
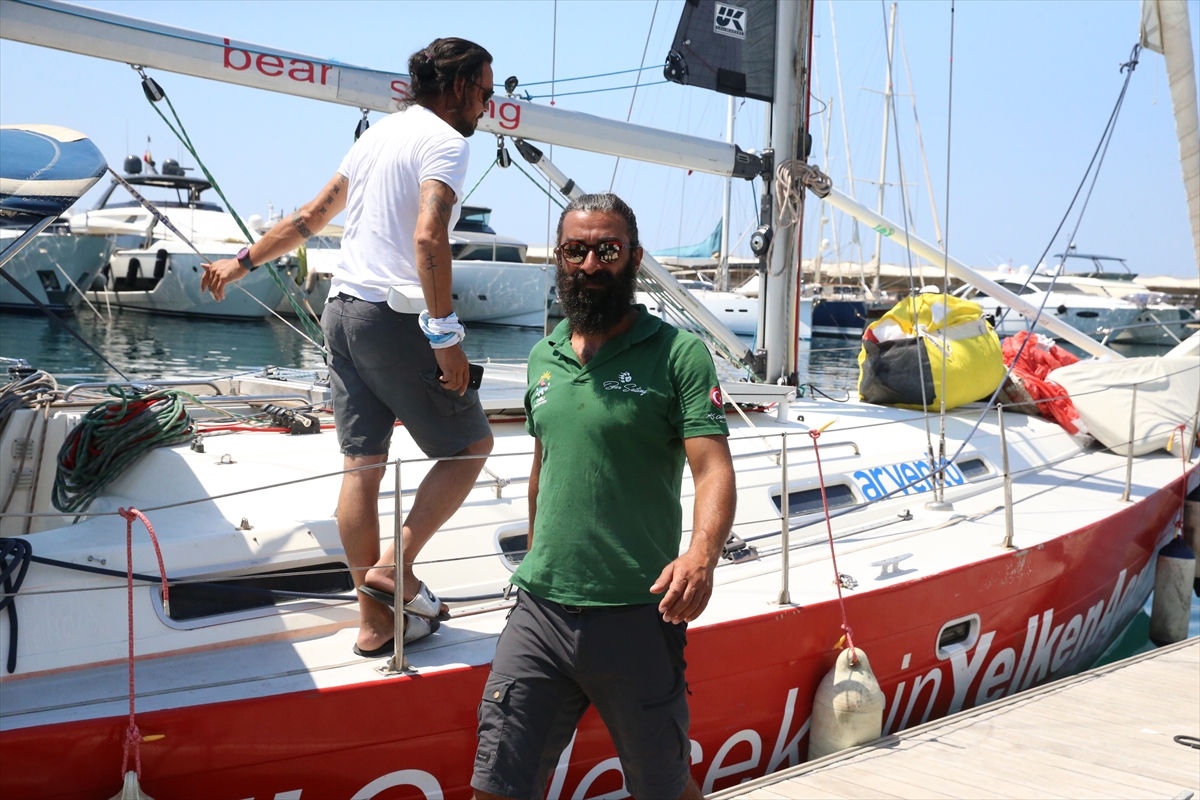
<point x="1034" y="84"/>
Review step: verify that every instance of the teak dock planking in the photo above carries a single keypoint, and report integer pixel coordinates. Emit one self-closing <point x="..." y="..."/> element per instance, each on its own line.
<point x="1106" y="733"/>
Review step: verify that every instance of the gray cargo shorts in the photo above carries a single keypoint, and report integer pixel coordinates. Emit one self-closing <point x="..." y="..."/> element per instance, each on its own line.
<point x="552" y="661"/>
<point x="381" y="368"/>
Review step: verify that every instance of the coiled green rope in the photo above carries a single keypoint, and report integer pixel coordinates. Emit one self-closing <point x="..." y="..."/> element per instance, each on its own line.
<point x="113" y="435"/>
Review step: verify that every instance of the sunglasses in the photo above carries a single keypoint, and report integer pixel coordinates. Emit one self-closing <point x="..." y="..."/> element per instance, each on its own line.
<point x="487" y="92"/>
<point x="575" y="253"/>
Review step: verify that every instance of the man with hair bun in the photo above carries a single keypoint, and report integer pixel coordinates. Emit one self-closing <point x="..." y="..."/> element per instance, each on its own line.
<point x="401" y="186"/>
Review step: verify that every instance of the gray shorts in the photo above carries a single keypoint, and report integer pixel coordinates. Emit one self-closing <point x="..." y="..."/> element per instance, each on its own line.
<point x="552" y="661"/>
<point x="381" y="368"/>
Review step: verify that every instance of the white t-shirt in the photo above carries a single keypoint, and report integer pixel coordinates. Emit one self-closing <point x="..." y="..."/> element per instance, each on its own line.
<point x="386" y="167"/>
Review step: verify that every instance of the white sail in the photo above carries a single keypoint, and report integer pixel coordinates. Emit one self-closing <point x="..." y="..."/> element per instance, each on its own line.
<point x="1166" y="30"/>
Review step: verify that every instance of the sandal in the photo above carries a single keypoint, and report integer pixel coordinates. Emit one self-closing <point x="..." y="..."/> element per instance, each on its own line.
<point x="415" y="629"/>
<point x="425" y="605"/>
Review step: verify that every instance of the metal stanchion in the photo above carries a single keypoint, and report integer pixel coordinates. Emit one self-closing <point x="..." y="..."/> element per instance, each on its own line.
<point x="1129" y="446"/>
<point x="1008" y="505"/>
<point x="398" y="663"/>
<point x="785" y="596"/>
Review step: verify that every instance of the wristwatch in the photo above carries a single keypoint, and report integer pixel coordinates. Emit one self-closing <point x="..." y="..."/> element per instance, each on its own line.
<point x="243" y="259"/>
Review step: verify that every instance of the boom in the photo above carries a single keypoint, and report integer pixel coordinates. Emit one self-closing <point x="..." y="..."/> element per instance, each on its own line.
<point x="89" y="31"/>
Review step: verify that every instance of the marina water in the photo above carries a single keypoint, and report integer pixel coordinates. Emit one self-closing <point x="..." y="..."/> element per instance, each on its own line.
<point x="149" y="347"/>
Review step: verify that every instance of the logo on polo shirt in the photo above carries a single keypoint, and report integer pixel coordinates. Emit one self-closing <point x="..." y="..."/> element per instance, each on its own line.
<point x="715" y="397"/>
<point x="540" y="392"/>
<point x="624" y="383"/>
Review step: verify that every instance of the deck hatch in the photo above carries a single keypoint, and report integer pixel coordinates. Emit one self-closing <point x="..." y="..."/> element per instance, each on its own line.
<point x="973" y="468"/>
<point x="513" y="546"/>
<point x="229" y="595"/>
<point x="807" y="501"/>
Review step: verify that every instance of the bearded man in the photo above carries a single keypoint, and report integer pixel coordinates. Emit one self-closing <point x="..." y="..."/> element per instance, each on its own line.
<point x="617" y="399"/>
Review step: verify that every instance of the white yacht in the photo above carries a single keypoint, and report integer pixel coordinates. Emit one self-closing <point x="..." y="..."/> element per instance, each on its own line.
<point x="1095" y="315"/>
<point x="56" y="269"/>
<point x="1160" y="321"/>
<point x="153" y="270"/>
<point x="492" y="282"/>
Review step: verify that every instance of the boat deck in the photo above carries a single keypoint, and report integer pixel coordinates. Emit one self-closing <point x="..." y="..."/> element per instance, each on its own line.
<point x="1105" y="733"/>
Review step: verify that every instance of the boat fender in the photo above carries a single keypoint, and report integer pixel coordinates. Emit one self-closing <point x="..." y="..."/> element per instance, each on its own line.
<point x="160" y="264"/>
<point x="1175" y="571"/>
<point x="1191" y="531"/>
<point x="848" y="708"/>
<point x="131" y="790"/>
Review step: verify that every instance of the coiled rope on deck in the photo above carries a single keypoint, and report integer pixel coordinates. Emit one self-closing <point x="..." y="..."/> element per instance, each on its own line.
<point x="112" y="435"/>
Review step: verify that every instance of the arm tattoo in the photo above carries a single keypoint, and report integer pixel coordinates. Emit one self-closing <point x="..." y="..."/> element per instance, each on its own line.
<point x="432" y="265"/>
<point x="437" y="199"/>
<point x="301" y="228"/>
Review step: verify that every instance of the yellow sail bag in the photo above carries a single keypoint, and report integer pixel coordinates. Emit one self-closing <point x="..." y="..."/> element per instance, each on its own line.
<point x="903" y="354"/>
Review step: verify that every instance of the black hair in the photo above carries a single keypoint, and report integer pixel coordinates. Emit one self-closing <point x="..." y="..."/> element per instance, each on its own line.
<point x="606" y="203"/>
<point x="434" y="69"/>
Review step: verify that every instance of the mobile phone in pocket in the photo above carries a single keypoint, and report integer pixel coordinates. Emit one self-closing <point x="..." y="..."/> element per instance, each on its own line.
<point x="475" y="379"/>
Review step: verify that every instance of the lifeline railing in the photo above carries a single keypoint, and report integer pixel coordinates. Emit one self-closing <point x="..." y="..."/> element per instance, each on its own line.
<point x="399" y="664"/>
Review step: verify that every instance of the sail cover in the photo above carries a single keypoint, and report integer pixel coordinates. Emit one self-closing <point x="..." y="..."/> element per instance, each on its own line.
<point x="44" y="169"/>
<point x="727" y="47"/>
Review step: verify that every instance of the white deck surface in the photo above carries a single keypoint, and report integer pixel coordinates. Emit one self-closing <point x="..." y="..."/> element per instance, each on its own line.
<point x="1106" y="733"/>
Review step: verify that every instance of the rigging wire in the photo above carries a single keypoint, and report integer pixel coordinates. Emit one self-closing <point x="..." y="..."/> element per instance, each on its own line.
<point x="598" y="75"/>
<point x="1101" y="148"/>
<point x="629" y="114"/>
<point x="1097" y="161"/>
<point x="940" y="484"/>
<point x="595" y="91"/>
<point x="307" y="320"/>
<point x="912" y="287"/>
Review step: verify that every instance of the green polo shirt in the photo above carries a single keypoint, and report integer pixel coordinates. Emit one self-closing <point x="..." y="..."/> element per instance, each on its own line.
<point x="608" y="512"/>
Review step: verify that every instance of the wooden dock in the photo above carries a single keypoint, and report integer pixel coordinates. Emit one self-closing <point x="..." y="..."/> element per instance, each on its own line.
<point x="1107" y="733"/>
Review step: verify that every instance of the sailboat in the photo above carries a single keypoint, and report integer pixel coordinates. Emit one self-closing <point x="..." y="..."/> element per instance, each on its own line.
<point x="1022" y="564"/>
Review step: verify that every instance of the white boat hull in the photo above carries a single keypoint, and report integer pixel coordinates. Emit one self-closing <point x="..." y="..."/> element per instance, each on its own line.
<point x="267" y="701"/>
<point x="51" y="267"/>
<point x="177" y="290"/>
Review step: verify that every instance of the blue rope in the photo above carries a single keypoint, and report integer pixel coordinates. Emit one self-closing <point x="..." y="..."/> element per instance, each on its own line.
<point x="594" y="91"/>
<point x="589" y="77"/>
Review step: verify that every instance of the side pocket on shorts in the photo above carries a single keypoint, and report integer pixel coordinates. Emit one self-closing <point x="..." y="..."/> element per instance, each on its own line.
<point x="675" y="706"/>
<point x="446" y="402"/>
<point x="493" y="711"/>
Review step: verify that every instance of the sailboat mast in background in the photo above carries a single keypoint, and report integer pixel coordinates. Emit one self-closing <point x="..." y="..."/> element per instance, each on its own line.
<point x="887" y="118"/>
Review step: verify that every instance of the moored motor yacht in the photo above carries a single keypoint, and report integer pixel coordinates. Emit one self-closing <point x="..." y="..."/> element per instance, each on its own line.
<point x="1092" y="314"/>
<point x="56" y="269"/>
<point x="152" y="269"/>
<point x="492" y="282"/>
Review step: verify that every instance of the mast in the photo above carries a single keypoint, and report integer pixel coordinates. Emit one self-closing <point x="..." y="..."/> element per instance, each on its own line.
<point x="887" y="118"/>
<point x="783" y="265"/>
<point x="723" y="264"/>
<point x="912" y="93"/>
<point x="837" y="65"/>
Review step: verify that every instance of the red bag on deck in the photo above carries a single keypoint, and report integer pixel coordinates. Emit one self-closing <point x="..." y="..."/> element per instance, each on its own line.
<point x="1040" y="358"/>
